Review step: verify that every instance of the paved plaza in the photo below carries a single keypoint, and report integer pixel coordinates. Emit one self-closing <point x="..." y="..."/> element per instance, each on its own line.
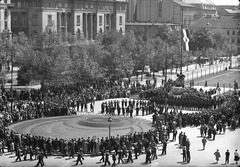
<point x="229" y="140"/>
<point x="75" y="126"/>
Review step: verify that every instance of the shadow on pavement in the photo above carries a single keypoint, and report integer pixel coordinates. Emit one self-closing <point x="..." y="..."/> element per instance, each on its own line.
<point x="143" y="163"/>
<point x="182" y="163"/>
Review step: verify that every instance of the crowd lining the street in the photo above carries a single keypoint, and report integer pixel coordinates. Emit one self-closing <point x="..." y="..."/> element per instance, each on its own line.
<point x="58" y="101"/>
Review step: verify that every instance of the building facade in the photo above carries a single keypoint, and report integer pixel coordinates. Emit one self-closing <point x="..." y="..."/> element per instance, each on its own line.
<point x="160" y="11"/>
<point x="82" y="18"/>
<point x="203" y="8"/>
<point x="229" y="25"/>
<point x="183" y="13"/>
<point x="5" y="16"/>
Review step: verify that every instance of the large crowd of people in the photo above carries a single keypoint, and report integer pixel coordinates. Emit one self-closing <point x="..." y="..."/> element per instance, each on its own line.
<point x="58" y="101"/>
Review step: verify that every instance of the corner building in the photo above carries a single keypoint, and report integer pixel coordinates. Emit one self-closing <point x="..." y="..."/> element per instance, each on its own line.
<point x="84" y="19"/>
<point x="5" y="16"/>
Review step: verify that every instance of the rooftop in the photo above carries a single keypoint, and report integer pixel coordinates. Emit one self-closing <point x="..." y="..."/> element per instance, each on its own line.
<point x="183" y="4"/>
<point x="233" y="11"/>
<point x="217" y="22"/>
<point x="199" y="2"/>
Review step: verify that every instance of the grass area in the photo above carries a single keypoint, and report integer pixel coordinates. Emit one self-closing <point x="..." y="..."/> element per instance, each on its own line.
<point x="225" y="78"/>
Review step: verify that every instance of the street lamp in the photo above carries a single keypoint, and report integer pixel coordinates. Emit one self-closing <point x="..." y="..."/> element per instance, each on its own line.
<point x="9" y="37"/>
<point x="109" y="120"/>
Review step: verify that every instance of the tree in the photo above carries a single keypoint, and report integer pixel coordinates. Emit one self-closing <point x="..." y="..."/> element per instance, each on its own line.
<point x="84" y="64"/>
<point x="118" y="54"/>
<point x="201" y="41"/>
<point x="219" y="38"/>
<point x="43" y="58"/>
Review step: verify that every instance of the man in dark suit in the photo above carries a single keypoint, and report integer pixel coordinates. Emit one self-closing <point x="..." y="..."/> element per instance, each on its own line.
<point x="107" y="158"/>
<point x="148" y="156"/>
<point x="40" y="160"/>
<point x="79" y="157"/>
<point x="188" y="156"/>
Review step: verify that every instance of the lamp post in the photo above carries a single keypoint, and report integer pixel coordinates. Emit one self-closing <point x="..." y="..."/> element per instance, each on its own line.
<point x="8" y="35"/>
<point x="109" y="120"/>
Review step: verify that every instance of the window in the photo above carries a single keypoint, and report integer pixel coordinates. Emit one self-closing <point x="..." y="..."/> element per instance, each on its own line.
<point x="100" y="20"/>
<point x="78" y="20"/>
<point x="227" y="32"/>
<point x="19" y="4"/>
<point x="24" y="19"/>
<point x="233" y="32"/>
<point x="49" y="19"/>
<point x="66" y="5"/>
<point x="120" y="20"/>
<point x="14" y="4"/>
<point x="5" y="14"/>
<point x="238" y="32"/>
<point x="108" y="19"/>
<point x="86" y="6"/>
<point x="39" y="4"/>
<point x="233" y="40"/>
<point x="6" y="25"/>
<point x="81" y="6"/>
<point x="23" y="4"/>
<point x="238" y="40"/>
<point x="14" y="20"/>
<point x="35" y="19"/>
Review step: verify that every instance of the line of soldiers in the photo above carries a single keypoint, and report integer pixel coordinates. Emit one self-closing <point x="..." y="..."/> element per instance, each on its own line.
<point x="190" y="99"/>
<point x="126" y="107"/>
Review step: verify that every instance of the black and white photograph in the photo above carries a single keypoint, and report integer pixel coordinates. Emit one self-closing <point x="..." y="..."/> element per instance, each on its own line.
<point x="120" y="83"/>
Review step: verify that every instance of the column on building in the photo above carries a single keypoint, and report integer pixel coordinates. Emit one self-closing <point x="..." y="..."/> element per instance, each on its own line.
<point x="110" y="21"/>
<point x="105" y="22"/>
<point x="8" y="20"/>
<point x="86" y="25"/>
<point x="59" y="15"/>
<point x="91" y="26"/>
<point x="66" y="14"/>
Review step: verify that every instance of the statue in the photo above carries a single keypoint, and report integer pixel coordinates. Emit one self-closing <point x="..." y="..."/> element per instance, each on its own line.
<point x="179" y="82"/>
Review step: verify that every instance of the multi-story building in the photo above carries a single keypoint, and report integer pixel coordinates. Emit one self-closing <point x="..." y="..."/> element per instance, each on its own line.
<point x="203" y="8"/>
<point x="82" y="18"/>
<point x="5" y="16"/>
<point x="230" y="25"/>
<point x="183" y="13"/>
<point x="228" y="10"/>
<point x="160" y="11"/>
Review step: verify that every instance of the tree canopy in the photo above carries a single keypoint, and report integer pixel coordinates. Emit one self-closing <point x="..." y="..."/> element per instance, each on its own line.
<point x="47" y="58"/>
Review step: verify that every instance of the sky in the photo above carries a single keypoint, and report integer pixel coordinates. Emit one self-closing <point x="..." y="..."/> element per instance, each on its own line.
<point x="225" y="2"/>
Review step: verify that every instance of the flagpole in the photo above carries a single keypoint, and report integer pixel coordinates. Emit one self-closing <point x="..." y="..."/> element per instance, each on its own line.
<point x="181" y="40"/>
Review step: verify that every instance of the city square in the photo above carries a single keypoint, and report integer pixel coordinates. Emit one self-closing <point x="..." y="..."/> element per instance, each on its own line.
<point x="119" y="83"/>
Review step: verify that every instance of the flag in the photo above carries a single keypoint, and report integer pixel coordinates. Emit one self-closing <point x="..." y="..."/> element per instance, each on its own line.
<point x="186" y="39"/>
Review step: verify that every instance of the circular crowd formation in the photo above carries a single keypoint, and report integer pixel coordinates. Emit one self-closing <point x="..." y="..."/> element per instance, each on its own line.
<point x="85" y="126"/>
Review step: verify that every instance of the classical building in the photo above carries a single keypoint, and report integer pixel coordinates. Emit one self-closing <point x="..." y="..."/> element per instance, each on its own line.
<point x="230" y="25"/>
<point x="5" y="16"/>
<point x="82" y="18"/>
